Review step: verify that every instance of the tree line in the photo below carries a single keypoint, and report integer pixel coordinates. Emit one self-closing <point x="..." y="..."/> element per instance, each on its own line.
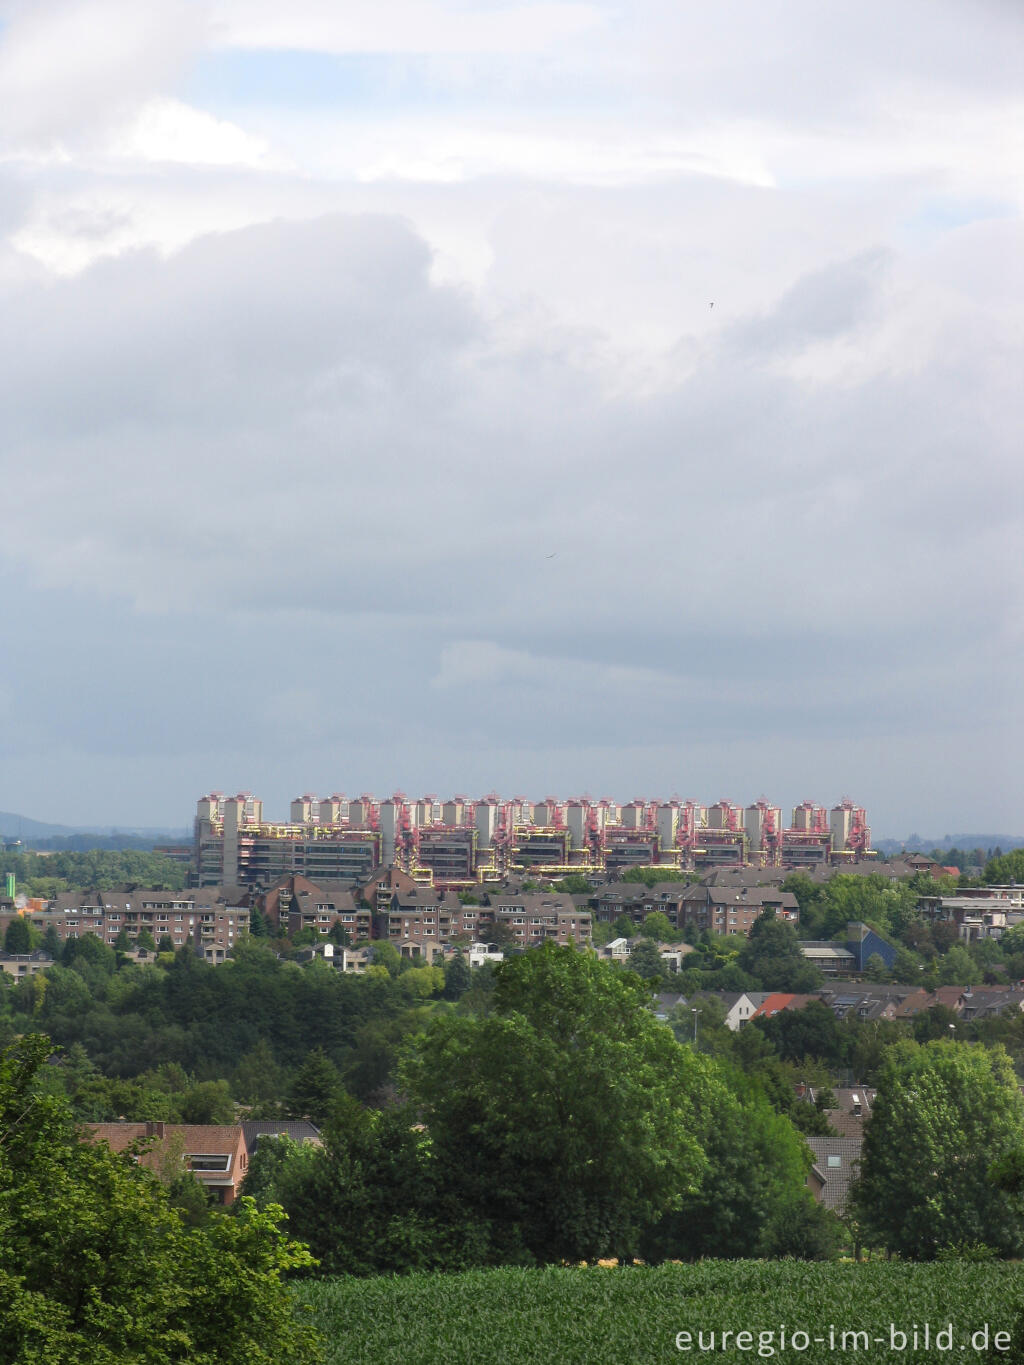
<point x="531" y="1114"/>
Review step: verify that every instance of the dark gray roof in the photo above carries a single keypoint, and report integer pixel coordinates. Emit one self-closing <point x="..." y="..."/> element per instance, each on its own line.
<point x="837" y="1178"/>
<point x="745" y="876"/>
<point x="299" y="1130"/>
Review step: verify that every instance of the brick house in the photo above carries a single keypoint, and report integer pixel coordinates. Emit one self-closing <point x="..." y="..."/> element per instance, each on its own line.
<point x="216" y="1154"/>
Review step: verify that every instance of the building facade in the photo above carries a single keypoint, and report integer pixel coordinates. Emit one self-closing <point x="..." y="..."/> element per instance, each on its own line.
<point x="460" y="843"/>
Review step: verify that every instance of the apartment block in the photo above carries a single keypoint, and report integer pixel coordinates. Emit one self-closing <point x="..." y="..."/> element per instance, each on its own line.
<point x="460" y="842"/>
<point x="211" y="920"/>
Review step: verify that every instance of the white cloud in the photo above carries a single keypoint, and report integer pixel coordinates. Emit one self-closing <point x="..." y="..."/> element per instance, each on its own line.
<point x="400" y="25"/>
<point x="168" y="130"/>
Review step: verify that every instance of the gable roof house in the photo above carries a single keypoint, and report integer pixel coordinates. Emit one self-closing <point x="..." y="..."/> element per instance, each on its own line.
<point x="216" y="1154"/>
<point x="836" y="1160"/>
<point x="866" y="1001"/>
<point x="778" y="1001"/>
<point x="740" y="1006"/>
<point x="853" y="1107"/>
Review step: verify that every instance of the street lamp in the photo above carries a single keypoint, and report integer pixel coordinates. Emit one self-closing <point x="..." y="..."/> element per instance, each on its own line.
<point x="694" y="1013"/>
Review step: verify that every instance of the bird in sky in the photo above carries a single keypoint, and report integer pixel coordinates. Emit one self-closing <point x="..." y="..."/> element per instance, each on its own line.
<point x="552" y="556"/>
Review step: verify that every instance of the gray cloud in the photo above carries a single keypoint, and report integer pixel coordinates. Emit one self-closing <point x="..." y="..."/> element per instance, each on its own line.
<point x="320" y="495"/>
<point x="69" y="69"/>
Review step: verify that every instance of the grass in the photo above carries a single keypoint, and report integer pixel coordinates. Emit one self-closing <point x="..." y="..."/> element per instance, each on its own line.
<point x="559" y="1316"/>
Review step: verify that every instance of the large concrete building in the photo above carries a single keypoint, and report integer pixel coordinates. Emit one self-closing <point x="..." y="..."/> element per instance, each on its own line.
<point x="234" y="845"/>
<point x="460" y="842"/>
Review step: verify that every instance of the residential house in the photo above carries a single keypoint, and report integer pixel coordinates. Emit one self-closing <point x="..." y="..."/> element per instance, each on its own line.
<point x="836" y="1160"/>
<point x="866" y="1001"/>
<point x="778" y="1001"/>
<point x="21" y="965"/>
<point x="477" y="954"/>
<point x="851" y="1110"/>
<point x="976" y="915"/>
<point x="740" y="1006"/>
<point x="216" y="1154"/>
<point x="969" y="1002"/>
<point x="849" y="957"/>
<point x="615" y="951"/>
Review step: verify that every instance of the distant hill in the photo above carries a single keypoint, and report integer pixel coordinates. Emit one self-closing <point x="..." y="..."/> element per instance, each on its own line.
<point x="40" y="835"/>
<point x="916" y="844"/>
<point x="21" y="827"/>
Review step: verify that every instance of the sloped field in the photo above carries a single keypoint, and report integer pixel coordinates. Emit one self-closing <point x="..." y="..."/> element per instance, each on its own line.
<point x="635" y="1315"/>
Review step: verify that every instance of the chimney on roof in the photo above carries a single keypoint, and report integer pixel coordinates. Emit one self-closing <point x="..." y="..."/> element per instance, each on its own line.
<point x="154" y="1130"/>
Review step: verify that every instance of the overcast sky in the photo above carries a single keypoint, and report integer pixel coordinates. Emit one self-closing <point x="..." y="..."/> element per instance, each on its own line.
<point x="367" y="423"/>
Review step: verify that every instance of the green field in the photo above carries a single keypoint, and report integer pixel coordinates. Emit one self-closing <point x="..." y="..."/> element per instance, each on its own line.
<point x="621" y="1316"/>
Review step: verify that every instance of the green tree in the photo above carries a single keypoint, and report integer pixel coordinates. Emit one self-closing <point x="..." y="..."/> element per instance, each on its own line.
<point x="574" y="884"/>
<point x="772" y="955"/>
<point x="708" y="1031"/>
<point x="1006" y="868"/>
<point x="1013" y="939"/>
<point x="18" y="938"/>
<point x="95" y="1265"/>
<point x="386" y="955"/>
<point x="258" y="1078"/>
<point x="420" y="983"/>
<point x="875" y="969"/>
<point x="812" y="1031"/>
<point x="208" y="1102"/>
<point x="315" y="1088"/>
<point x="277" y="1169"/>
<point x="373" y="1200"/>
<point x="938" y="1021"/>
<point x="339" y="935"/>
<point x="906" y="969"/>
<point x="457" y="977"/>
<point x="958" y="968"/>
<point x="652" y="876"/>
<point x="184" y="1192"/>
<point x="498" y="933"/>
<point x="564" y="1119"/>
<point x="803" y="1229"/>
<point x="259" y="925"/>
<point x="658" y="926"/>
<point x="646" y="961"/>
<point x="753" y="1198"/>
<point x="942" y="1115"/>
